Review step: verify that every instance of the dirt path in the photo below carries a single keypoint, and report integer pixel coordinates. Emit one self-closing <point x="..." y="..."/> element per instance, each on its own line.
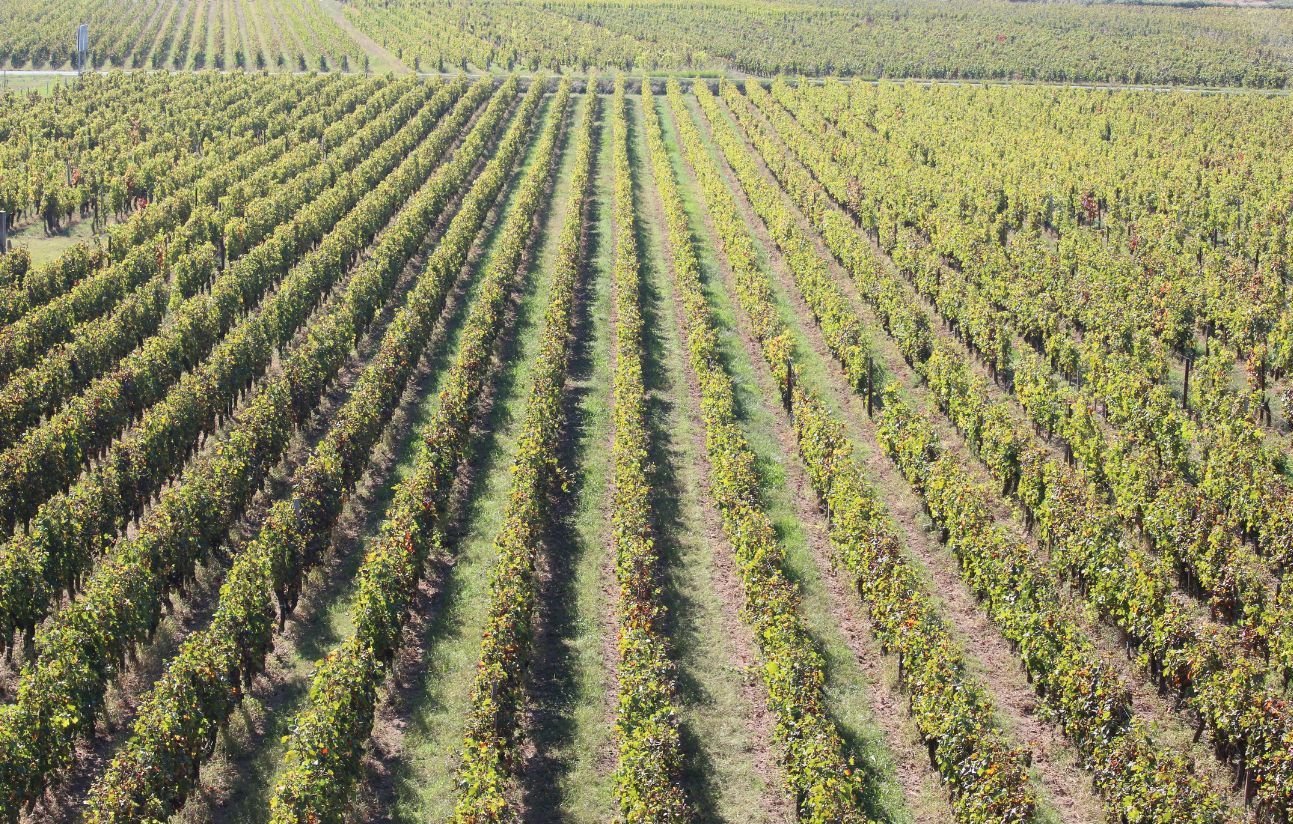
<point x="382" y="59"/>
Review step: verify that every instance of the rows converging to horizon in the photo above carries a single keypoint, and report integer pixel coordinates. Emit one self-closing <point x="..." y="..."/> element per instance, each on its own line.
<point x="459" y="445"/>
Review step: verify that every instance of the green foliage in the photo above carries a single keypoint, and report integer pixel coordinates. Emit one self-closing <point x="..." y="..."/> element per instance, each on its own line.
<point x="178" y="407"/>
<point x="323" y="752"/>
<point x="493" y="726"/>
<point x="647" y="780"/>
<point x="198" y="692"/>
<point x="823" y="782"/>
<point x="1078" y="528"/>
<point x="949" y="39"/>
<point x="165" y="36"/>
<point x="78" y="652"/>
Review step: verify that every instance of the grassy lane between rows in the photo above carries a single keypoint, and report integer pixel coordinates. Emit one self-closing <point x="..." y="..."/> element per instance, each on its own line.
<point x="568" y="766"/>
<point x="422" y="772"/>
<point x="846" y="687"/>
<point x="720" y="712"/>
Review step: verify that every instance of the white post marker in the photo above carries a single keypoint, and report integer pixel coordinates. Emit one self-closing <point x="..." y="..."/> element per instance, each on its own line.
<point x="82" y="45"/>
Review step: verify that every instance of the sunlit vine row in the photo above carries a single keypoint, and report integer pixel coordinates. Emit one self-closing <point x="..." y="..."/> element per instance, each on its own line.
<point x="647" y="778"/>
<point x="1214" y="670"/>
<point x="70" y="528"/>
<point x="175" y="731"/>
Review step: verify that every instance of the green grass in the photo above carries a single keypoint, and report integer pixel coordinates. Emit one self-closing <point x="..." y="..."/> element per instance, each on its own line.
<point x="847" y="692"/>
<point x="572" y="682"/>
<point x="380" y="60"/>
<point x="424" y="770"/>
<point x="723" y="779"/>
<point x="44" y="248"/>
<point x="41" y="83"/>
